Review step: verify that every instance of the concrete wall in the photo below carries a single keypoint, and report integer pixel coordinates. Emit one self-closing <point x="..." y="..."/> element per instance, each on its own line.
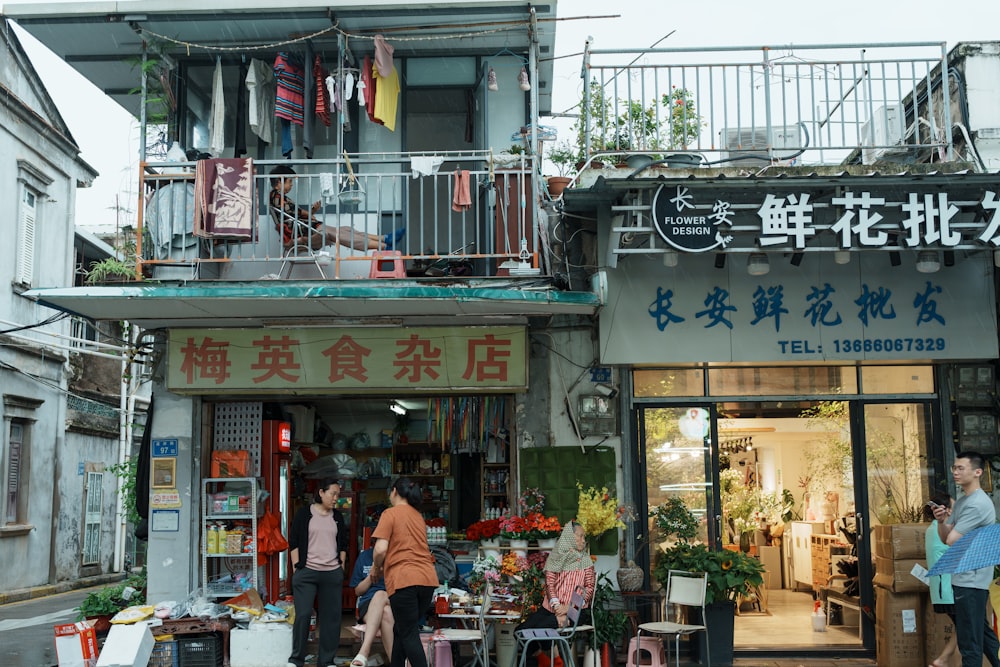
<point x="172" y="558"/>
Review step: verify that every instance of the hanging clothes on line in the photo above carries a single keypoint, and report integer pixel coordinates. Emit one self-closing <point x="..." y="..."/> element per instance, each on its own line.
<point x="223" y="206"/>
<point x="368" y="83"/>
<point x="261" y="91"/>
<point x="217" y="115"/>
<point x="386" y="78"/>
<point x="323" y="107"/>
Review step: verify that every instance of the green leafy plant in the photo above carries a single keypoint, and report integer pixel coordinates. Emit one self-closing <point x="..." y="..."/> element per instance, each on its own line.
<point x="731" y="574"/>
<point x="111" y="600"/>
<point x="127" y="473"/>
<point x="563" y="156"/>
<point x="683" y="122"/>
<point x="119" y="268"/>
<point x="610" y="625"/>
<point x="596" y="121"/>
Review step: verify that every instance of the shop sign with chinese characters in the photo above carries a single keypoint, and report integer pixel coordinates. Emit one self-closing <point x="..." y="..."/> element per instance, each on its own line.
<point x="701" y="219"/>
<point x="473" y="359"/>
<point x="820" y="310"/>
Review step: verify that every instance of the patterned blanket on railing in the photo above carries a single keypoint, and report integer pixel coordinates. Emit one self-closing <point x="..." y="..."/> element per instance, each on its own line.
<point x="224" y="198"/>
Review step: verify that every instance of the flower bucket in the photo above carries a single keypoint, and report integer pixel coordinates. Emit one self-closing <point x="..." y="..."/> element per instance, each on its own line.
<point x="491" y="548"/>
<point x="519" y="547"/>
<point x="547" y="544"/>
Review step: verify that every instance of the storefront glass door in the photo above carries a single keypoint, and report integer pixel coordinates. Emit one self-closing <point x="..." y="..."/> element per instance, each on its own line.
<point x="779" y="480"/>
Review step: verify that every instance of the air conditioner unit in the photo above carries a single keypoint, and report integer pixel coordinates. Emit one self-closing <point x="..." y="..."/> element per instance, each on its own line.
<point x="883" y="133"/>
<point x="753" y="141"/>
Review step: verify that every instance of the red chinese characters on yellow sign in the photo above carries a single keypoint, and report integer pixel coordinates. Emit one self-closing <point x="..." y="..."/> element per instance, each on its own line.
<point x="358" y="359"/>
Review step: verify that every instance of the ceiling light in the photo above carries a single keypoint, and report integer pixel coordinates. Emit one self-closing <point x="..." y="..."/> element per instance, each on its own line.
<point x="669" y="259"/>
<point x="928" y="261"/>
<point x="842" y="257"/>
<point x="758" y="264"/>
<point x="397" y="409"/>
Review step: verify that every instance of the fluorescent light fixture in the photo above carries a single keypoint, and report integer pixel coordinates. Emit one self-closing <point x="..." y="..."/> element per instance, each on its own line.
<point x="928" y="261"/>
<point x="397" y="408"/>
<point x="842" y="257"/>
<point x="669" y="259"/>
<point x="758" y="264"/>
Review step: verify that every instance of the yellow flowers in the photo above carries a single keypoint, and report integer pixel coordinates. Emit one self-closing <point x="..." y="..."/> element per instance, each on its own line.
<point x="599" y="511"/>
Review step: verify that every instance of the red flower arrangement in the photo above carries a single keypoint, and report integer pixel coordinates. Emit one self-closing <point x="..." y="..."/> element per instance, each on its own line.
<point x="483" y="530"/>
<point x="534" y="526"/>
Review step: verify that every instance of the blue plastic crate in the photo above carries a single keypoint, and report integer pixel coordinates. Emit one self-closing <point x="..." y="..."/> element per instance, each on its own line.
<point x="164" y="654"/>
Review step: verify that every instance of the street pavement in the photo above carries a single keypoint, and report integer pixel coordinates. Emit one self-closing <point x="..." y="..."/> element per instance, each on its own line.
<point x="26" y="636"/>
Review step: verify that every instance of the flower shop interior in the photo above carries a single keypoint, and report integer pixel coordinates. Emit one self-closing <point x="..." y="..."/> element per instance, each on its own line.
<point x="783" y="475"/>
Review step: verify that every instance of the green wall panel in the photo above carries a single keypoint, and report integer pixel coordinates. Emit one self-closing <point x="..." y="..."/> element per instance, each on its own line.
<point x="556" y="470"/>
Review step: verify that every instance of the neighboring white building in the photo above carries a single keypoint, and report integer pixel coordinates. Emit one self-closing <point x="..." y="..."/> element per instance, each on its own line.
<point x="57" y="506"/>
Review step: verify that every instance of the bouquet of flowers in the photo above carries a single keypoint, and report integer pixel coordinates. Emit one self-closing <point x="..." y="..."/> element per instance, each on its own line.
<point x="513" y="565"/>
<point x="513" y="527"/>
<point x="543" y="527"/>
<point x="484" y="571"/>
<point x="599" y="511"/>
<point x="483" y="530"/>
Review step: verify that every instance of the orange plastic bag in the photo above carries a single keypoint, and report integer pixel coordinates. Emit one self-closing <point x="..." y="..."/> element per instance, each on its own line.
<point x="269" y="538"/>
<point x="231" y="463"/>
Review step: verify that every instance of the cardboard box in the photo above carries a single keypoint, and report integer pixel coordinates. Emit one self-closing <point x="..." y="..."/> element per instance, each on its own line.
<point x="900" y="540"/>
<point x="127" y="646"/>
<point x="895" y="576"/>
<point x="899" y="640"/>
<point x="76" y="645"/>
<point x="938" y="629"/>
<point x="260" y="645"/>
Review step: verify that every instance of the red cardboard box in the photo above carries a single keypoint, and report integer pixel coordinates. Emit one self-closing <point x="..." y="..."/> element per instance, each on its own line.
<point x="76" y="645"/>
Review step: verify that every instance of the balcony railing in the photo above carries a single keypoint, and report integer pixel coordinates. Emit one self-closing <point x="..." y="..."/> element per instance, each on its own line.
<point x="792" y="105"/>
<point x="493" y="233"/>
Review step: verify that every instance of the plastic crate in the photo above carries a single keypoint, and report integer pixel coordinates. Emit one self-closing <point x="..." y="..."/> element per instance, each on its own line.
<point x="201" y="651"/>
<point x="164" y="655"/>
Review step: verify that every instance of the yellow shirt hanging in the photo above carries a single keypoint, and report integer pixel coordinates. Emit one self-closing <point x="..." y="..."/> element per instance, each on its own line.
<point x="386" y="97"/>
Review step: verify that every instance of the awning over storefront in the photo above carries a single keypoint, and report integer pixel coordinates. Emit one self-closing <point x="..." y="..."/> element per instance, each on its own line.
<point x="155" y="306"/>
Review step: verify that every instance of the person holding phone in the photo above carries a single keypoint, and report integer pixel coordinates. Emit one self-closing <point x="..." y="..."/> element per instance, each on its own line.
<point x="973" y="510"/>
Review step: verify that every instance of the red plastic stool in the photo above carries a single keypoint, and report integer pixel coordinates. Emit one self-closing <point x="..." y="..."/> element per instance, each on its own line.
<point x="651" y="646"/>
<point x="387" y="264"/>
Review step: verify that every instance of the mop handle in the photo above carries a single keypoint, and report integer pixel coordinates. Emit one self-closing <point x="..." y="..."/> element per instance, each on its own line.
<point x="350" y="169"/>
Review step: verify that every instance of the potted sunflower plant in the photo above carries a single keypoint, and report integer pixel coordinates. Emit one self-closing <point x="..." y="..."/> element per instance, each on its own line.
<point x="732" y="575"/>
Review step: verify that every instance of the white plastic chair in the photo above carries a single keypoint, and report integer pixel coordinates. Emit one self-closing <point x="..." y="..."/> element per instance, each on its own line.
<point x="684" y="589"/>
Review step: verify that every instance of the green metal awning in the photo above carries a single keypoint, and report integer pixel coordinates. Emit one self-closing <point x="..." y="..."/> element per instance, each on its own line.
<point x="308" y="303"/>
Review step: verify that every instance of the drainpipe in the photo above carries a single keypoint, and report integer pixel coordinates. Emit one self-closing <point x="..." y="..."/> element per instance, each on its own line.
<point x="126" y="405"/>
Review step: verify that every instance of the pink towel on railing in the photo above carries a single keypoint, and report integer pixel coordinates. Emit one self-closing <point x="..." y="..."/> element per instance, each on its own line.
<point x="462" y="199"/>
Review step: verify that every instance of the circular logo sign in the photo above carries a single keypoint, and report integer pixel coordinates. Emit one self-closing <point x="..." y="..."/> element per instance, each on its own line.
<point x="679" y="223"/>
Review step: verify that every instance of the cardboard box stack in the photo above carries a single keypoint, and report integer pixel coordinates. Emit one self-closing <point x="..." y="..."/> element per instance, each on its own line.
<point x="900" y="598"/>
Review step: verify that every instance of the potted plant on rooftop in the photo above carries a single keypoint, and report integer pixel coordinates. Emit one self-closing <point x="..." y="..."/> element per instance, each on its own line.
<point x="563" y="156"/>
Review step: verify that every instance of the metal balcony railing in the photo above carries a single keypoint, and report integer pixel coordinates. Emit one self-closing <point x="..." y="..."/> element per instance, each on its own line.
<point x="754" y="106"/>
<point x="494" y="232"/>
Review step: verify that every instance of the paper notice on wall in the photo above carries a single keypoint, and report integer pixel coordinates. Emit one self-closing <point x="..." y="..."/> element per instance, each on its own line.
<point x="165" y="499"/>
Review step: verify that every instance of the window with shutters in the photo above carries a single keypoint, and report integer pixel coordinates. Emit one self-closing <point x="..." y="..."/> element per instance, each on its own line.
<point x="24" y="271"/>
<point x="93" y="508"/>
<point x="14" y="474"/>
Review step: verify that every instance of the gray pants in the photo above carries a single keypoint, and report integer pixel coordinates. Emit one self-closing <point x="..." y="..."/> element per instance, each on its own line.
<point x="326" y="590"/>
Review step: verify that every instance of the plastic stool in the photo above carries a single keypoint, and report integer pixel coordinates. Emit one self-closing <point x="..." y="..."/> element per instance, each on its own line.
<point x="382" y="260"/>
<point x="652" y="646"/>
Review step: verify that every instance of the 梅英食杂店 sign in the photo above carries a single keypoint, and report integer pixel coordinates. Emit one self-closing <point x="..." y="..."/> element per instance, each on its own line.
<point x="359" y="360"/>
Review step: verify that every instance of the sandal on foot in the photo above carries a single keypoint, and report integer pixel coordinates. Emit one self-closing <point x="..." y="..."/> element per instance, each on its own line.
<point x="359" y="660"/>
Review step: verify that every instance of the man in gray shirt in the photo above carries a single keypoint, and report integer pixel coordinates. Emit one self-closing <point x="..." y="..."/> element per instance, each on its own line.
<point x="973" y="510"/>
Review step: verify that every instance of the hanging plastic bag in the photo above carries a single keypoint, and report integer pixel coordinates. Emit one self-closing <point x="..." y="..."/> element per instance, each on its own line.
<point x="269" y="538"/>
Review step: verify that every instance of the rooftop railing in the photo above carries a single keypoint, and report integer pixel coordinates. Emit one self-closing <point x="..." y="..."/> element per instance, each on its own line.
<point x="448" y="214"/>
<point x="754" y="106"/>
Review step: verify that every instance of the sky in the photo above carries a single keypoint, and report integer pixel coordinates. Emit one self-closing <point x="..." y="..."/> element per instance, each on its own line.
<point x="108" y="136"/>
